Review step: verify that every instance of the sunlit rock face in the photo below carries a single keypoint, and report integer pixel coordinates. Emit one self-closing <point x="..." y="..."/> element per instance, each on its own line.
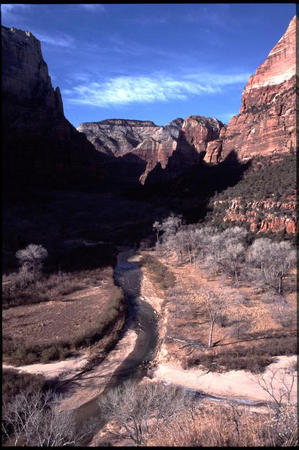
<point x="115" y="137"/>
<point x="199" y="130"/>
<point x="182" y="140"/>
<point x="266" y="123"/>
<point x="39" y="144"/>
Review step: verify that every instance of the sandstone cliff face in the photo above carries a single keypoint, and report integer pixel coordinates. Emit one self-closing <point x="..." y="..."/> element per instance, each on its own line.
<point x="181" y="140"/>
<point x="115" y="137"/>
<point x="266" y="121"/>
<point x="39" y="144"/>
<point x="25" y="72"/>
<point x="200" y="130"/>
<point x="158" y="147"/>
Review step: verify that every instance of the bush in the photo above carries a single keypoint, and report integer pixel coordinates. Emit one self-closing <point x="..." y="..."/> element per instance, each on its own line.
<point x="254" y="358"/>
<point x="14" y="382"/>
<point x="160" y="272"/>
<point x="51" y="287"/>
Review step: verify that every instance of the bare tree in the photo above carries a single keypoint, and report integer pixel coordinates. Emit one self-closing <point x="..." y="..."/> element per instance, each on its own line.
<point x="157" y="226"/>
<point x="33" y="419"/>
<point x="283" y="422"/>
<point x="203" y="240"/>
<point x="31" y="259"/>
<point x="278" y="385"/>
<point x="214" y="308"/>
<point x="274" y="260"/>
<point x="140" y="409"/>
<point x="226" y="252"/>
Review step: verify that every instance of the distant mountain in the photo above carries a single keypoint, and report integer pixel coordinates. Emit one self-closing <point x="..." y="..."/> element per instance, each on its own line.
<point x="181" y="140"/>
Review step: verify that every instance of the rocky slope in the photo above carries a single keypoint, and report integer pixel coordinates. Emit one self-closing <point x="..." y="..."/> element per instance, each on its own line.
<point x="265" y="197"/>
<point x="181" y="140"/>
<point x="265" y="124"/>
<point x="39" y="145"/>
<point x="262" y="216"/>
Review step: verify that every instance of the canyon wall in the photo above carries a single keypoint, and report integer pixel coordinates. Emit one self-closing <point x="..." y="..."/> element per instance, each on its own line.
<point x="40" y="147"/>
<point x="264" y="132"/>
<point x="266" y="123"/>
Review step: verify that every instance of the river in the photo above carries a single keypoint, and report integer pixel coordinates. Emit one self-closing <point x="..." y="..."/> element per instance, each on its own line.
<point x="141" y="317"/>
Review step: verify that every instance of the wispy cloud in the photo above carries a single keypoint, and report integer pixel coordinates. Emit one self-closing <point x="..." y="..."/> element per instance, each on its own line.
<point x="92" y="7"/>
<point x="12" y="8"/>
<point x="10" y="12"/>
<point x="124" y="90"/>
<point x="219" y="79"/>
<point x="149" y="20"/>
<point x="62" y="40"/>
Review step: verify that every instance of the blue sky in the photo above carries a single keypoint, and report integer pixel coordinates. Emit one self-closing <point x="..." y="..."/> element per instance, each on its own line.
<point x="151" y="61"/>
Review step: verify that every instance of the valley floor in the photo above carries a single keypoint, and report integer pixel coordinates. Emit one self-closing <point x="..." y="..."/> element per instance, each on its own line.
<point x="167" y="364"/>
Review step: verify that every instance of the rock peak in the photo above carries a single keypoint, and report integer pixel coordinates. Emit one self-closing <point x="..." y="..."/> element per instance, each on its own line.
<point x="266" y="123"/>
<point x="280" y="64"/>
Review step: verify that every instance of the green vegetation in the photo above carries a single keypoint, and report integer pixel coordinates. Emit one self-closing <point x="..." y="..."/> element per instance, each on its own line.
<point x="265" y="179"/>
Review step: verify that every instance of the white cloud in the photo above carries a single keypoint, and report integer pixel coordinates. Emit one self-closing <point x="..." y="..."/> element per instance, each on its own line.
<point x="219" y="79"/>
<point x="11" y="12"/>
<point x="59" y="41"/>
<point x="11" y="8"/>
<point x="92" y="7"/>
<point x="124" y="90"/>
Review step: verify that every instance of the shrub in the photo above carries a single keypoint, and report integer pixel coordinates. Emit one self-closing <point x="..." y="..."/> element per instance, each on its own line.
<point x="160" y="272"/>
<point x="31" y="260"/>
<point x="253" y="358"/>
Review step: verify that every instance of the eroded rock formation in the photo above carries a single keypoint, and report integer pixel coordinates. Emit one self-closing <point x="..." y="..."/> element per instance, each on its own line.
<point x="39" y="145"/>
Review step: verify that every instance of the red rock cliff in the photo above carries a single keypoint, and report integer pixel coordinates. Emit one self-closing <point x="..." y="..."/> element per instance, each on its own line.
<point x="266" y="121"/>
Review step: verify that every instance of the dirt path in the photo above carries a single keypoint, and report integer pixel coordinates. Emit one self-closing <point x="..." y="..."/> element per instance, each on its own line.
<point x="82" y="393"/>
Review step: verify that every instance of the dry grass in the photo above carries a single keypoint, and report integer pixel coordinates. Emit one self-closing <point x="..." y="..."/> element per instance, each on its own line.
<point x="49" y="288"/>
<point x="14" y="383"/>
<point x="159" y="271"/>
<point x="223" y="426"/>
<point x="245" y="337"/>
<point x="53" y="330"/>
